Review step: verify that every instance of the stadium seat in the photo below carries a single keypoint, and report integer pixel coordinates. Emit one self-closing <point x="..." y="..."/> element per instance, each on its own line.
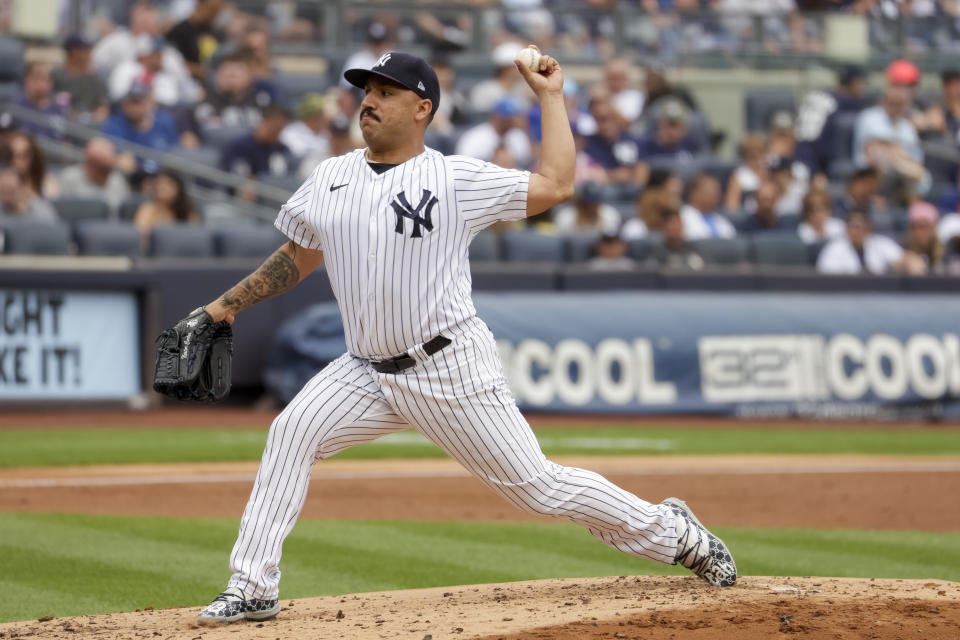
<point x="181" y="241"/>
<point x="759" y="105"/>
<point x="247" y="241"/>
<point x="843" y="125"/>
<point x="37" y="238"/>
<point x="778" y="248"/>
<point x="720" y="169"/>
<point x="287" y="182"/>
<point x="219" y="137"/>
<point x="75" y="209"/>
<point x="530" y="246"/>
<point x="722" y="250"/>
<point x="813" y="252"/>
<point x="293" y="87"/>
<point x="128" y="208"/>
<point x="580" y="246"/>
<point x="644" y="249"/>
<point x="485" y="247"/>
<point x="11" y="59"/>
<point x="208" y="156"/>
<point x="100" y="238"/>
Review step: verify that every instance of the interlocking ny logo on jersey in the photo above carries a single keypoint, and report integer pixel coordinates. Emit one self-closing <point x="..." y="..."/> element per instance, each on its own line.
<point x="403" y="210"/>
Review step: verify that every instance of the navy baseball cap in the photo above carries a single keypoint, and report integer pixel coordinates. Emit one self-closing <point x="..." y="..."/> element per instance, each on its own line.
<point x="406" y="70"/>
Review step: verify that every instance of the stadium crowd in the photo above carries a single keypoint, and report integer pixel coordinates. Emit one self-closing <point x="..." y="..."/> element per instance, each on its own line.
<point x="198" y="76"/>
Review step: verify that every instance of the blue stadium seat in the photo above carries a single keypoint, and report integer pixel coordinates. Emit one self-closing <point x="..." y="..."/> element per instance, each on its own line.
<point x="181" y="241"/>
<point x="778" y="248"/>
<point x="99" y="238"/>
<point x="530" y="246"/>
<point x="128" y="208"/>
<point x="37" y="238"/>
<point x="11" y="59"/>
<point x="644" y="249"/>
<point x="219" y="137"/>
<point x="759" y="105"/>
<point x="485" y="247"/>
<point x="248" y="241"/>
<point x="74" y="209"/>
<point x="580" y="246"/>
<point x="722" y="250"/>
<point x="293" y="87"/>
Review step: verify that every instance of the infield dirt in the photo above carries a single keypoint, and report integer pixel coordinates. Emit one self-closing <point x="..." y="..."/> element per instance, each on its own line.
<point x="654" y="608"/>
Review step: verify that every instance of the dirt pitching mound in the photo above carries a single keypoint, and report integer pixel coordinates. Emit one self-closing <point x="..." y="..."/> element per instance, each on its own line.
<point x="625" y="607"/>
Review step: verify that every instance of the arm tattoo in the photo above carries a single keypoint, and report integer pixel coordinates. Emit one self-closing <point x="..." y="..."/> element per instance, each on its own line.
<point x="276" y="275"/>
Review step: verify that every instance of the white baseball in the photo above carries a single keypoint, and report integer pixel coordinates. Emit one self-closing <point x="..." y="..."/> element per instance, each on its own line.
<point x="530" y="57"/>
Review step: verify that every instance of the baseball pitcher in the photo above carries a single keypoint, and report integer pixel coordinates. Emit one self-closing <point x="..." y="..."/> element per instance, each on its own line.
<point x="392" y="223"/>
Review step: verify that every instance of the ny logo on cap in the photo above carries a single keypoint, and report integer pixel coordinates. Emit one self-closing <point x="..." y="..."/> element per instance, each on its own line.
<point x="403" y="210"/>
<point x="383" y="60"/>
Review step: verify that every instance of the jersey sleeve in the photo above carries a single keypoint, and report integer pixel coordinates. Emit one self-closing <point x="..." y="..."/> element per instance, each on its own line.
<point x="294" y="220"/>
<point x="487" y="193"/>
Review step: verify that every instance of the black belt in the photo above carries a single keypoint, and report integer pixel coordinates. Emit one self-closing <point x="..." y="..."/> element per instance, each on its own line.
<point x="399" y="363"/>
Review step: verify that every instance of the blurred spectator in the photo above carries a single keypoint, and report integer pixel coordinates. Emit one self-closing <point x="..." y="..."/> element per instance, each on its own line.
<point x="781" y="172"/>
<point x="612" y="147"/>
<point x="765" y="216"/>
<point x="942" y="118"/>
<point x="815" y="128"/>
<point x="171" y="82"/>
<point x="587" y="212"/>
<point x="581" y="122"/>
<point x="861" y="191"/>
<point x="658" y="87"/>
<point x="195" y="38"/>
<point x="169" y="204"/>
<point x="18" y="202"/>
<point x="76" y="78"/>
<point x="378" y="43"/>
<point x="677" y="252"/>
<point x="38" y="95"/>
<point x="949" y="228"/>
<point x="663" y="194"/>
<point x="885" y="138"/>
<point x="506" y="80"/>
<point x="503" y="127"/>
<point x="308" y="139"/>
<point x="97" y="176"/>
<point x="30" y="163"/>
<point x="141" y="123"/>
<point x="120" y="45"/>
<point x="235" y="100"/>
<point x="610" y="254"/>
<point x="341" y="141"/>
<point x="747" y="176"/>
<point x="8" y="130"/>
<point x="781" y="138"/>
<point x="924" y="250"/>
<point x="860" y="250"/>
<point x="671" y="139"/>
<point x="260" y="152"/>
<point x="257" y="43"/>
<point x="817" y="221"/>
<point x="629" y="102"/>
<point x="700" y="216"/>
<point x="453" y="107"/>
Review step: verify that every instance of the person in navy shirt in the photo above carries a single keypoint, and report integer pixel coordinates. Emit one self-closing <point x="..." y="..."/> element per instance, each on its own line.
<point x="816" y="126"/>
<point x="141" y="123"/>
<point x="37" y="94"/>
<point x="612" y="147"/>
<point x="260" y="152"/>
<point x="670" y="140"/>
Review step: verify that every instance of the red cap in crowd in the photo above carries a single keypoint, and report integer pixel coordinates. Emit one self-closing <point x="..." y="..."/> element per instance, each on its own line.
<point x="903" y="72"/>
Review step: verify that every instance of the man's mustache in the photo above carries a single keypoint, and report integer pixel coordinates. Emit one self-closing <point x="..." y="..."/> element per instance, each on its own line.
<point x="370" y="113"/>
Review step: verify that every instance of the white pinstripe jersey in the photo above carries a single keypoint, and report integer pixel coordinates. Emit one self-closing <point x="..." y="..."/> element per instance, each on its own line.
<point x="395" y="244"/>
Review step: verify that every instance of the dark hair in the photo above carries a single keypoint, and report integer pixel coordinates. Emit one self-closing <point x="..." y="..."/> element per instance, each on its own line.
<point x="695" y="183"/>
<point x="32" y="65"/>
<point x="858" y="212"/>
<point x="949" y="75"/>
<point x="659" y="176"/>
<point x="182" y="205"/>
<point x="860" y="174"/>
<point x="240" y="56"/>
<point x="275" y="111"/>
<point x="37" y="170"/>
<point x="813" y="195"/>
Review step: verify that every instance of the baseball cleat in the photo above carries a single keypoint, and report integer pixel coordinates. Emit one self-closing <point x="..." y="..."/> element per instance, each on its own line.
<point x="699" y="550"/>
<point x="232" y="605"/>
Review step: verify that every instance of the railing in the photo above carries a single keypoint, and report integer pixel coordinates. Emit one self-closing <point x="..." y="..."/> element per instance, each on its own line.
<point x="197" y="174"/>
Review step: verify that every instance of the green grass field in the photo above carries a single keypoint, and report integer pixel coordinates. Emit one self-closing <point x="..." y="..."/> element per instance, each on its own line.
<point x="42" y="447"/>
<point x="69" y="564"/>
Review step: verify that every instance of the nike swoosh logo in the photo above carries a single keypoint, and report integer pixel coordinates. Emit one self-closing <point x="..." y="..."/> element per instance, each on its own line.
<point x="340" y="186"/>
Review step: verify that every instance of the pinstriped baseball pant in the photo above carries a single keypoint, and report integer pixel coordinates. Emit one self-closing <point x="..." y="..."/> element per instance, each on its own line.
<point x="458" y="399"/>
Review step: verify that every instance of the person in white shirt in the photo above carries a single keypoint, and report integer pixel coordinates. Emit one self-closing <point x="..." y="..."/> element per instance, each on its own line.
<point x="487" y="93"/>
<point x="504" y="128"/>
<point x="97" y="176"/>
<point x="860" y="250"/>
<point x="629" y="102"/>
<point x="587" y="213"/>
<point x="700" y="216"/>
<point x="171" y="81"/>
<point x="818" y="223"/>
